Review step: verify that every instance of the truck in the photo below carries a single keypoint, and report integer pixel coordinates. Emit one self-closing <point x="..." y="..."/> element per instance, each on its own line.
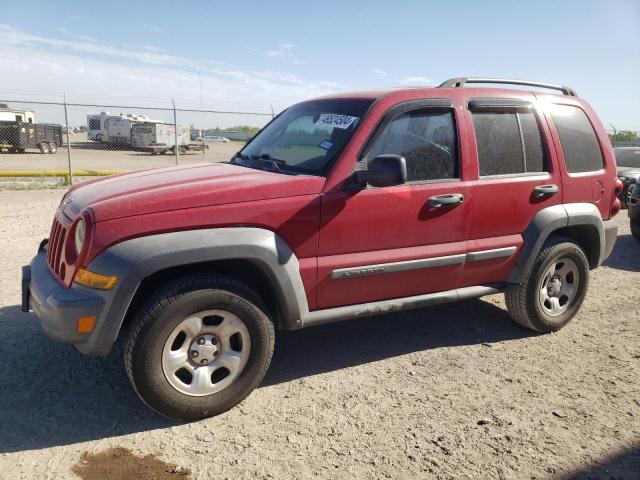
<point x="344" y="206"/>
<point x="18" y="132"/>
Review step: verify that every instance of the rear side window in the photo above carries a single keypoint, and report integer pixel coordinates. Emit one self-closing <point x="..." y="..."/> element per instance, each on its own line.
<point x="579" y="142"/>
<point x="427" y="141"/>
<point x="508" y="143"/>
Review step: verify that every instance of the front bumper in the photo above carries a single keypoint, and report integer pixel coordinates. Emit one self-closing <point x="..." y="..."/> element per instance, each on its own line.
<point x="57" y="307"/>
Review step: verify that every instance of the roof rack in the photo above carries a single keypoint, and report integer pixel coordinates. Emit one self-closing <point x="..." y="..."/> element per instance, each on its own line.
<point x="461" y="81"/>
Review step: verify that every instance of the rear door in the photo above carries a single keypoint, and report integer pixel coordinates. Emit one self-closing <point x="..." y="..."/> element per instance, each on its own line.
<point x="587" y="176"/>
<point x="516" y="176"/>
<point x="384" y="243"/>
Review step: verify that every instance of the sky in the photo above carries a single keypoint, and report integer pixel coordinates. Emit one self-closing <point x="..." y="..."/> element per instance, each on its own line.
<point x="252" y="55"/>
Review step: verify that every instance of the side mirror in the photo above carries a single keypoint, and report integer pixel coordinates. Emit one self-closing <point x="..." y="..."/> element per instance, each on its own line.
<point x="384" y="171"/>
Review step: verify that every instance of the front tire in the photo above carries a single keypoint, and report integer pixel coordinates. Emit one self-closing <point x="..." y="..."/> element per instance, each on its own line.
<point x="44" y="148"/>
<point x="199" y="346"/>
<point x="552" y="291"/>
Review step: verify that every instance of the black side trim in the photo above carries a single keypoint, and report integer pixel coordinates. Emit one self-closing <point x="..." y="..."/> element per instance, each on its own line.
<point x="493" y="103"/>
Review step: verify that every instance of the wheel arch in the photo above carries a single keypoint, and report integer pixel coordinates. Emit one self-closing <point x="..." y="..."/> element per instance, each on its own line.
<point x="581" y="222"/>
<point x="256" y="256"/>
<point x="253" y="274"/>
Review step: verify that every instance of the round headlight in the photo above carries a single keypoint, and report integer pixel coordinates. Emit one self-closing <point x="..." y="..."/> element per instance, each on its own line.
<point x="79" y="236"/>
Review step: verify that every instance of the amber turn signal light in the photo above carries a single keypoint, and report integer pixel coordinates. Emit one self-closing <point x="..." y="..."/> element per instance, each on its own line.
<point x="95" y="280"/>
<point x="85" y="324"/>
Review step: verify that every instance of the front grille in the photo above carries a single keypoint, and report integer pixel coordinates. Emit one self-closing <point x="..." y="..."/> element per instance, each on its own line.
<point x="56" y="243"/>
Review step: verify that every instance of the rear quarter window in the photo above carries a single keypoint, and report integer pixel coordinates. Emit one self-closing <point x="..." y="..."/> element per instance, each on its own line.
<point x="578" y="139"/>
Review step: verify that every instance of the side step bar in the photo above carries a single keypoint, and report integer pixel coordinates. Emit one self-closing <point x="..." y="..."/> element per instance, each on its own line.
<point x="329" y="315"/>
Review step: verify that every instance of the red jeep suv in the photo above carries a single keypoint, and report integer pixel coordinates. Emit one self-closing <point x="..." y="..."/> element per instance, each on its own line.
<point x="343" y="206"/>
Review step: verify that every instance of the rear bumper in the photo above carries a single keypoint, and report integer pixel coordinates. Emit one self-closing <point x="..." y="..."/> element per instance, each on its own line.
<point x="610" y="234"/>
<point x="57" y="307"/>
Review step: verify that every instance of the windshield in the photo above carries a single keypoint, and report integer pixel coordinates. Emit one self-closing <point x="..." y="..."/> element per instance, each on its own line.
<point x="305" y="138"/>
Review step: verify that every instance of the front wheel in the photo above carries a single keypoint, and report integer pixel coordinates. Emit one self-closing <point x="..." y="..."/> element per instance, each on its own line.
<point x="44" y="147"/>
<point x="199" y="346"/>
<point x="552" y="291"/>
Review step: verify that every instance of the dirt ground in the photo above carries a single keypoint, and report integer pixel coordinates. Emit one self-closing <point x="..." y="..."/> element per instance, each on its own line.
<point x="89" y="155"/>
<point x="454" y="391"/>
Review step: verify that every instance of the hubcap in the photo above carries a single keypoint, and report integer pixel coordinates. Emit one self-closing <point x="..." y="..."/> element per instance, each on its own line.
<point x="206" y="352"/>
<point x="559" y="286"/>
<point x="204" y="349"/>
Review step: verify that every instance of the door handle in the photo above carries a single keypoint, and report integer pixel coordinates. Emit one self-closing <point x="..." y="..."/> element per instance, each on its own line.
<point x="545" y="190"/>
<point x="446" y="200"/>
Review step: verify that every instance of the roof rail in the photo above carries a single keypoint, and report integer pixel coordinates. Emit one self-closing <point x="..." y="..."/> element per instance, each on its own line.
<point x="461" y="81"/>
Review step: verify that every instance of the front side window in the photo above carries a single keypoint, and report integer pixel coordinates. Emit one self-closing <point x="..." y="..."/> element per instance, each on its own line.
<point x="508" y="143"/>
<point x="427" y="141"/>
<point x="579" y="142"/>
<point x="94" y="124"/>
<point x="306" y="138"/>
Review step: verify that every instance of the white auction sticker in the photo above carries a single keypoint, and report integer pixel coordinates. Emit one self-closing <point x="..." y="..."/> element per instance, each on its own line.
<point x="335" y="120"/>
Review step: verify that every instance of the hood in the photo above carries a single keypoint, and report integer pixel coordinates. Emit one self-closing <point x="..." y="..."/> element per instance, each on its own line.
<point x="149" y="191"/>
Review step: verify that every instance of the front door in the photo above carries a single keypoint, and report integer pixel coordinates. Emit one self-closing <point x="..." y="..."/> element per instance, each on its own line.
<point x="393" y="242"/>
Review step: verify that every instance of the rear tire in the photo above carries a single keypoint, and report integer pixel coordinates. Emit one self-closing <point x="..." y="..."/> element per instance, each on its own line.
<point x="218" y="318"/>
<point x="53" y="147"/>
<point x="552" y="291"/>
<point x="635" y="228"/>
<point x="44" y="147"/>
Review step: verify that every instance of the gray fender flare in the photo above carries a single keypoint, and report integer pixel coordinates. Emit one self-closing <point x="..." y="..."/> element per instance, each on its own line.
<point x="133" y="260"/>
<point x="548" y="220"/>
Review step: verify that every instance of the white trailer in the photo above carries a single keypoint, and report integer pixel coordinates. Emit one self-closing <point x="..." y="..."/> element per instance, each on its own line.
<point x="12" y="115"/>
<point x="159" y="138"/>
<point x="118" y="130"/>
<point x="107" y="127"/>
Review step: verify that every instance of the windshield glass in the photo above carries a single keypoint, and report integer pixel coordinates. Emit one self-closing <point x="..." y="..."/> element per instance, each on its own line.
<point x="305" y="138"/>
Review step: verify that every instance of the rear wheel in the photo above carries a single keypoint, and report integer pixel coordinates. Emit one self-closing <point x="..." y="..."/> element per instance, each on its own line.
<point x="44" y="147"/>
<point x="199" y="346"/>
<point x="552" y="291"/>
<point x="53" y="147"/>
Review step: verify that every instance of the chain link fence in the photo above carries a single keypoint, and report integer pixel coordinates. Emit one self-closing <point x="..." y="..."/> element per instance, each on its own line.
<point x="624" y="138"/>
<point x="76" y="139"/>
<point x="68" y="140"/>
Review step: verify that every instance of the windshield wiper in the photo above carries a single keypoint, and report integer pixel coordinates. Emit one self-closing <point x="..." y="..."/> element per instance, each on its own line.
<point x="239" y="155"/>
<point x="263" y="158"/>
<point x="274" y="162"/>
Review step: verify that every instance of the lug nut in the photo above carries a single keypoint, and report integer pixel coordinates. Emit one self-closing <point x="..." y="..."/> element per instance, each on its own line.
<point x="203" y="361"/>
<point x="201" y="341"/>
<point x="214" y="340"/>
<point x="194" y="353"/>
